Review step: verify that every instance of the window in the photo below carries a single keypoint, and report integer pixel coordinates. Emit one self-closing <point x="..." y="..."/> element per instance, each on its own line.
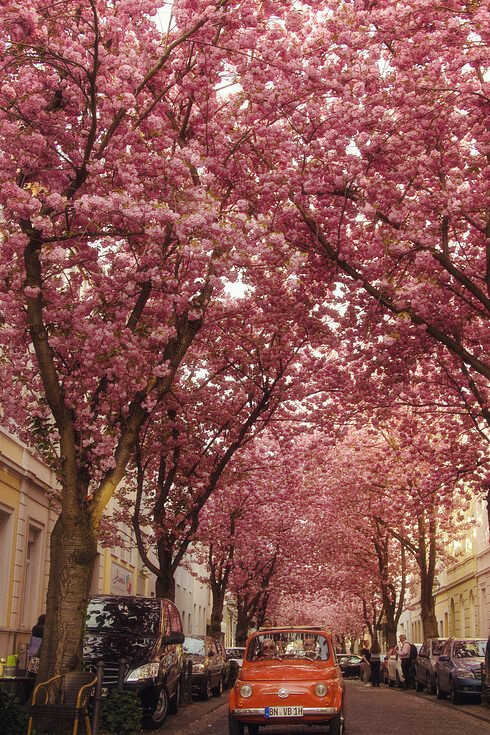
<point x="32" y="576"/>
<point x="462" y="624"/>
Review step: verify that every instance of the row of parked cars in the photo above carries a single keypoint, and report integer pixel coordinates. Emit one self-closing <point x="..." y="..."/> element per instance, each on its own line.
<point x="141" y="639"/>
<point x="444" y="666"/>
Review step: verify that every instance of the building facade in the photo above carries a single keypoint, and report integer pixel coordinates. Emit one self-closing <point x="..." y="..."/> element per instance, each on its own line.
<point x="27" y="517"/>
<point x="462" y="593"/>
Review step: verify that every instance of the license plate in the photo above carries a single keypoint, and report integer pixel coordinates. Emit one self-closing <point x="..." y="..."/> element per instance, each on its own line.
<point x="283" y="712"/>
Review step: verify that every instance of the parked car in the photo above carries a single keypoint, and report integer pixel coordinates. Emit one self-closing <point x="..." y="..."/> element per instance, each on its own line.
<point x="394" y="669"/>
<point x="144" y="636"/>
<point x="235" y="657"/>
<point x="226" y="663"/>
<point x="236" y="654"/>
<point x="288" y="676"/>
<point x="425" y="671"/>
<point x="350" y="665"/>
<point x="458" y="668"/>
<point x="207" y="665"/>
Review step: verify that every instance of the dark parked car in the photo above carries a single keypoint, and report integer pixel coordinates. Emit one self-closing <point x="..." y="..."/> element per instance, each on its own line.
<point x="207" y="665"/>
<point x="425" y="665"/>
<point x="458" y="668"/>
<point x="226" y="663"/>
<point x="236" y="654"/>
<point x="235" y="657"/>
<point x="144" y="635"/>
<point x="350" y="665"/>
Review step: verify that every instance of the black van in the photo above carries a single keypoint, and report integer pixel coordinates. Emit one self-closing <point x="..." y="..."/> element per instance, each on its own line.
<point x="146" y="634"/>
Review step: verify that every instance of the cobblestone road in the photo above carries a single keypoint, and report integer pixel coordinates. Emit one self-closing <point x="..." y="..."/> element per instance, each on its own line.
<point x="369" y="712"/>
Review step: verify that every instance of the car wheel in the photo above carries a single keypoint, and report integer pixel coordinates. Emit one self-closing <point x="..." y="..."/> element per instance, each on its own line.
<point x="253" y="729"/>
<point x="439" y="692"/>
<point x="175" y="701"/>
<point x="159" y="714"/>
<point x="337" y="725"/>
<point x="453" y="694"/>
<point x="218" y="689"/>
<point x="235" y="727"/>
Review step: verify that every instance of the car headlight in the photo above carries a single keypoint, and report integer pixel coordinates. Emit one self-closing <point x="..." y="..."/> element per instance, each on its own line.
<point x="245" y="690"/>
<point x="465" y="673"/>
<point x="321" y="689"/>
<point x="197" y="668"/>
<point x="148" y="671"/>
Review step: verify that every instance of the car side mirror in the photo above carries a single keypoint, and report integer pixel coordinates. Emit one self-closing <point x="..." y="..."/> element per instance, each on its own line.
<point x="443" y="658"/>
<point x="174" y="638"/>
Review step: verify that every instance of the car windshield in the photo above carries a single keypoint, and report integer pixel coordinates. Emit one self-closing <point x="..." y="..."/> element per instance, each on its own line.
<point x="438" y="647"/>
<point x="133" y="617"/>
<point x="301" y="645"/>
<point x="194" y="645"/>
<point x="469" y="649"/>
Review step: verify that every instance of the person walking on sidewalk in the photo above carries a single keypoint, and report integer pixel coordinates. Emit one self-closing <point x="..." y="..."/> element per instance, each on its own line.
<point x="365" y="655"/>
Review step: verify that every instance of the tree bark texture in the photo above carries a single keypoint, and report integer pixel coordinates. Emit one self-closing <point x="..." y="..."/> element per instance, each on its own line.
<point x="165" y="583"/>
<point x="241" y="626"/>
<point x="216" y="616"/>
<point x="427" y="607"/>
<point x="73" y="552"/>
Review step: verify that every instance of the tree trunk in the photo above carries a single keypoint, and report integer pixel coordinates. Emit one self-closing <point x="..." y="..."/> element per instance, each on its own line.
<point x="217" y="615"/>
<point x="165" y="582"/>
<point x="427" y="607"/>
<point x="427" y="565"/>
<point x="391" y="627"/>
<point x="241" y="626"/>
<point x="73" y="551"/>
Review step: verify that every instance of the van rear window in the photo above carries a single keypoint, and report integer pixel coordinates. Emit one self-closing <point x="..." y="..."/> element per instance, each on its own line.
<point x="134" y="617"/>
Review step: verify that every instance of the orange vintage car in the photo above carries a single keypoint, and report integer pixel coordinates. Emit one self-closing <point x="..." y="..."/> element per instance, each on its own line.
<point x="288" y="676"/>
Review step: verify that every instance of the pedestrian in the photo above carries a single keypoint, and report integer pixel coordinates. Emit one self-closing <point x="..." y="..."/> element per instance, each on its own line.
<point x="375" y="669"/>
<point x="33" y="654"/>
<point x="404" y="656"/>
<point x="365" y="655"/>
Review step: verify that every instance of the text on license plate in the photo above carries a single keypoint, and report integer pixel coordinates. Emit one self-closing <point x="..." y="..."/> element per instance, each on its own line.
<point x="283" y="712"/>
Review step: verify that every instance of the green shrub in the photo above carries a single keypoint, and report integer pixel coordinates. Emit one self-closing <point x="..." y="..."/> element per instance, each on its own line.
<point x="120" y="712"/>
<point x="13" y="714"/>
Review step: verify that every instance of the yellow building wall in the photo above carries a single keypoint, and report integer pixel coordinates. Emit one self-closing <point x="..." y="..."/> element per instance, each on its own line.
<point x="456" y="603"/>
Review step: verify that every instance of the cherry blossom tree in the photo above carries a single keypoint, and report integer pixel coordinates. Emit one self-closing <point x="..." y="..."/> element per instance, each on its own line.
<point x="373" y="160"/>
<point x="410" y="485"/>
<point x="261" y="367"/>
<point x="115" y="233"/>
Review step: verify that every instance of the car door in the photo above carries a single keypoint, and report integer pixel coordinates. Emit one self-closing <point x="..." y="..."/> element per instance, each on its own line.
<point x="174" y="654"/>
<point x="215" y="666"/>
<point x="443" y="667"/>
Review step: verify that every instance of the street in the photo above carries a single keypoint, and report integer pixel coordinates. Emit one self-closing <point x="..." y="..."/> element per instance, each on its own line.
<point x="369" y="712"/>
